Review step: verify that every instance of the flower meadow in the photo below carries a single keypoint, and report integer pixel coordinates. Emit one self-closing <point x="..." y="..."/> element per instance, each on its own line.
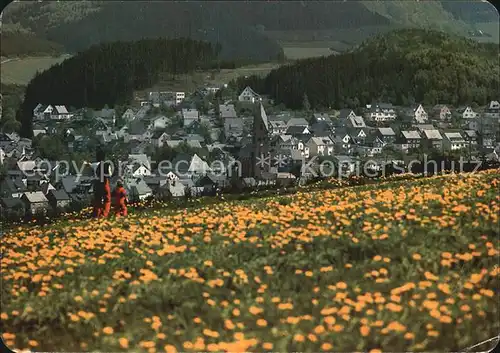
<point x="408" y="265"/>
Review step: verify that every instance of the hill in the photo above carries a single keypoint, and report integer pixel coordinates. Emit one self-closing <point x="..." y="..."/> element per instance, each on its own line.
<point x="109" y="73"/>
<point x="400" y="67"/>
<point x="19" y="44"/>
<point x="399" y="266"/>
<point x="240" y="26"/>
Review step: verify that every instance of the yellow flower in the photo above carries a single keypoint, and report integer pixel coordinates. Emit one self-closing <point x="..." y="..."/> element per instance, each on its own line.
<point x="123" y="342"/>
<point x="108" y="330"/>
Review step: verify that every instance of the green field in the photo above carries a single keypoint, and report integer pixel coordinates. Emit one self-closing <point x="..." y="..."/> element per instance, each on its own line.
<point x="492" y="28"/>
<point x="20" y="71"/>
<point x="189" y="83"/>
<point x="404" y="265"/>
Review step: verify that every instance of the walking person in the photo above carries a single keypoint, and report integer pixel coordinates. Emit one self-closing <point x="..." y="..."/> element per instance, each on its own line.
<point x="120" y="199"/>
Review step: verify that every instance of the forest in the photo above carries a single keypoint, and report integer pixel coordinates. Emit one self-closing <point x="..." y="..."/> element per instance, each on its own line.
<point x="401" y="67"/>
<point x="109" y="74"/>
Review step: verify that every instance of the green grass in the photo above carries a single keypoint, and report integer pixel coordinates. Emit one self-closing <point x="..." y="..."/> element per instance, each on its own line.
<point x="188" y="83"/>
<point x="492" y="28"/>
<point x="20" y="71"/>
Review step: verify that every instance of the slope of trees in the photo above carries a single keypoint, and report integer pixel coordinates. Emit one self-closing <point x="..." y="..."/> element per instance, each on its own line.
<point x="109" y="73"/>
<point x="400" y="67"/>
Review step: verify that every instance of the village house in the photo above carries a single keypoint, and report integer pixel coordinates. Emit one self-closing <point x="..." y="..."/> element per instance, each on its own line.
<point x="128" y="115"/>
<point x="386" y="134"/>
<point x="297" y="131"/>
<point x="12" y="187"/>
<point x="159" y="138"/>
<point x="320" y="146"/>
<point x="189" y="116"/>
<point x="172" y="189"/>
<point x="138" y="165"/>
<point x="297" y="122"/>
<point x="354" y="121"/>
<point x="11" y="205"/>
<point x="410" y="140"/>
<point x="492" y="111"/>
<point x="156" y="182"/>
<point x="441" y="112"/>
<point x="277" y="127"/>
<point x="322" y="128"/>
<point x="381" y="112"/>
<point x="432" y="138"/>
<point x="60" y="113"/>
<point x="248" y="95"/>
<point x="161" y="122"/>
<point x="345" y="114"/>
<point x="58" y="199"/>
<point x="106" y="114"/>
<point x="50" y="112"/>
<point x="343" y="143"/>
<point x="285" y="142"/>
<point x="417" y="113"/>
<point x="471" y="139"/>
<point x="233" y="126"/>
<point x="137" y="189"/>
<point x="465" y="113"/>
<point x="227" y="111"/>
<point x="453" y="141"/>
<point x="35" y="202"/>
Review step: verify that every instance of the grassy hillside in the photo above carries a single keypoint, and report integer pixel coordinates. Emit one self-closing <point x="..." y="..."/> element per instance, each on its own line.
<point x="238" y="25"/>
<point x="21" y="71"/>
<point x="401" y="266"/>
<point x="24" y="44"/>
<point x="400" y="67"/>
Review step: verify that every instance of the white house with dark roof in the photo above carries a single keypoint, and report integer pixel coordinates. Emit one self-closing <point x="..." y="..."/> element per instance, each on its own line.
<point x="441" y="112"/>
<point x="454" y="141"/>
<point x="416" y="113"/>
<point x="249" y="95"/>
<point x="35" y="201"/>
<point x="60" y="113"/>
<point x="320" y="146"/>
<point x="381" y="112"/>
<point x="278" y="127"/>
<point x="492" y="111"/>
<point x="465" y="113"/>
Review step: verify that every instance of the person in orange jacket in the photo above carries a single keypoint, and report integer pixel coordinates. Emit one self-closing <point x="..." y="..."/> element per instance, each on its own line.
<point x="120" y="199"/>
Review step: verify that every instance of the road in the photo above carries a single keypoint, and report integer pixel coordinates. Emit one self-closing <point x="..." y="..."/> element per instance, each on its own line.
<point x="7" y="60"/>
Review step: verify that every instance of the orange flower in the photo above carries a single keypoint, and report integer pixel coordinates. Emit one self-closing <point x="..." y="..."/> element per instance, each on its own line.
<point x="123" y="342"/>
<point x="261" y="323"/>
<point x="364" y="330"/>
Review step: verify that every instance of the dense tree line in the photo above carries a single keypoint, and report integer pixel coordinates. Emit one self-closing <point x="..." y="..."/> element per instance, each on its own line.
<point x="401" y="67"/>
<point x="109" y="74"/>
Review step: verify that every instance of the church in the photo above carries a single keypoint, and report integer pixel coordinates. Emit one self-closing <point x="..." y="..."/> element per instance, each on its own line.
<point x="254" y="155"/>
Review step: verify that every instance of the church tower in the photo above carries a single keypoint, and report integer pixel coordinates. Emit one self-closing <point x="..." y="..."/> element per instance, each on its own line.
<point x="260" y="157"/>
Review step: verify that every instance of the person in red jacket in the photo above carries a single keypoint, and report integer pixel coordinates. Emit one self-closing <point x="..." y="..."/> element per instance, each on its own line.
<point x="120" y="199"/>
<point x="102" y="188"/>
